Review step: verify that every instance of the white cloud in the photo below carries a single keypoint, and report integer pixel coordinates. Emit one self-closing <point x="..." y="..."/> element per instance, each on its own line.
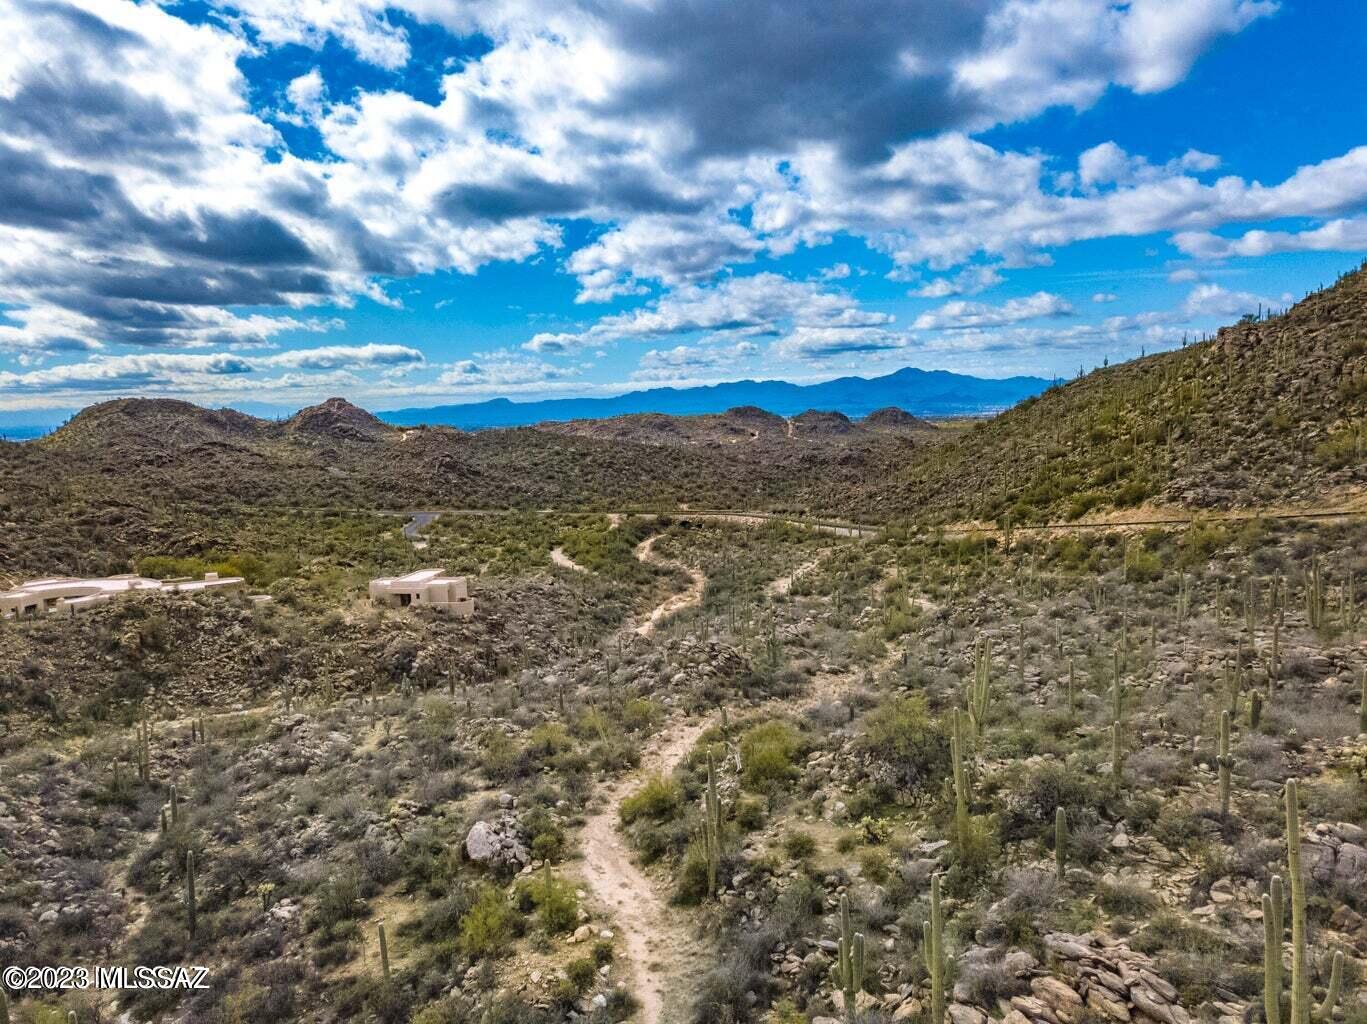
<point x="682" y="360"/>
<point x="959" y="315"/>
<point x="1211" y="300"/>
<point x="684" y="140"/>
<point x="969" y="281"/>
<point x="499" y="371"/>
<point x="1341" y="235"/>
<point x="753" y="306"/>
<point x="1105" y="297"/>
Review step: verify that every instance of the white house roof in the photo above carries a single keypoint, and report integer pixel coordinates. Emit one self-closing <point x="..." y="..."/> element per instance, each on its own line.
<point x="420" y="578"/>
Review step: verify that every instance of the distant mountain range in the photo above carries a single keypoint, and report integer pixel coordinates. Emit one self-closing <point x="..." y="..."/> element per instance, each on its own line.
<point x="922" y="392"/>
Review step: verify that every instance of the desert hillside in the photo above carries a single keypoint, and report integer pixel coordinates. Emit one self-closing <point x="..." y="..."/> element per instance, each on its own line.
<point x="1268" y="411"/>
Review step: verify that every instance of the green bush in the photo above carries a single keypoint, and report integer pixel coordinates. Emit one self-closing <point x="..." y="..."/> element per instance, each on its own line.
<point x="557" y="906"/>
<point x="901" y="736"/>
<point x="799" y="845"/>
<point x="582" y="973"/>
<point x="489" y="925"/>
<point x="767" y="751"/>
<point x="658" y="799"/>
<point x="1033" y="796"/>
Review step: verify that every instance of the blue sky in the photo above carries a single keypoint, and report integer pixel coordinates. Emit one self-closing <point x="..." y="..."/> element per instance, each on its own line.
<point x="266" y="202"/>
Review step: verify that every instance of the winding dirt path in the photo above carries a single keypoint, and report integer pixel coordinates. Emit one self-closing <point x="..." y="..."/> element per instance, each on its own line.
<point x="563" y="560"/>
<point x="645" y="551"/>
<point x="781" y="586"/>
<point x="662" y="950"/>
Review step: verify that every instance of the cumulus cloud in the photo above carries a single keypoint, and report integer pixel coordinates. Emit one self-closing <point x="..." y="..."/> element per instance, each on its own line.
<point x="758" y="305"/>
<point x="150" y="202"/>
<point x="1211" y="300"/>
<point x="684" y="361"/>
<point x="1341" y="235"/>
<point x="969" y="281"/>
<point x="499" y="371"/>
<point x="1105" y="297"/>
<point x="183" y="372"/>
<point x="958" y="315"/>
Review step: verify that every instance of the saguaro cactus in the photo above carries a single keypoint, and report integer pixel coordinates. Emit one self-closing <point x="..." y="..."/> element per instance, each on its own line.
<point x="191" y="916"/>
<point x="933" y="946"/>
<point x="981" y="687"/>
<point x="712" y="828"/>
<point x="1362" y="701"/>
<point x="847" y="973"/>
<point x="1277" y="1008"/>
<point x="1314" y="595"/>
<point x="1300" y="1010"/>
<point x="1117" y="753"/>
<point x="1225" y="763"/>
<point x="1117" y="690"/>
<point x="384" y="950"/>
<point x="1274" y="927"/>
<point x="956" y="755"/>
<point x="1060" y="841"/>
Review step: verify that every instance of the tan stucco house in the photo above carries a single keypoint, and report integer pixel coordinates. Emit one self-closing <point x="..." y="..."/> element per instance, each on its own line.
<point x="66" y="595"/>
<point x="426" y="588"/>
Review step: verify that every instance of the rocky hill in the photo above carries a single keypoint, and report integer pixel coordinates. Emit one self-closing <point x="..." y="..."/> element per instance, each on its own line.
<point x="1268" y="411"/>
<point x="744" y="424"/>
<point x="121" y="477"/>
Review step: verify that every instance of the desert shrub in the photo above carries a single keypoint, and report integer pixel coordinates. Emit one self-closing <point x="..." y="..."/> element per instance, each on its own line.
<point x="799" y="845"/>
<point x="767" y="751"/>
<point x="1033" y="795"/>
<point x="581" y="973"/>
<point x="1126" y="898"/>
<point x="498" y="756"/>
<point x="640" y="714"/>
<point x="873" y="865"/>
<point x="658" y="798"/>
<point x="489" y="925"/>
<point x="338" y="899"/>
<point x="557" y="906"/>
<point x="900" y="737"/>
<point x="726" y="993"/>
<point x="749" y="813"/>
<point x="987" y="979"/>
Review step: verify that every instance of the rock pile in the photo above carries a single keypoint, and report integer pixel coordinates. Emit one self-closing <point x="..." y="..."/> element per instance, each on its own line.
<point x="497" y="843"/>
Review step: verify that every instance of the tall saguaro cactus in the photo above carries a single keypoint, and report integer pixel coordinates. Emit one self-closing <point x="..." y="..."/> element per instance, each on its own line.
<point x="1225" y="763"/>
<point x="957" y="755"/>
<point x="1362" y="702"/>
<point x="191" y="915"/>
<point x="384" y="950"/>
<point x="1274" y="927"/>
<point x="1314" y="595"/>
<point x="847" y="973"/>
<point x="1060" y="841"/>
<point x="1298" y="1009"/>
<point x="980" y="688"/>
<point x="712" y="828"/>
<point x="933" y="946"/>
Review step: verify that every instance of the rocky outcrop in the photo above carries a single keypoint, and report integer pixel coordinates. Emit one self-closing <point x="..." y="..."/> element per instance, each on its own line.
<point x="497" y="844"/>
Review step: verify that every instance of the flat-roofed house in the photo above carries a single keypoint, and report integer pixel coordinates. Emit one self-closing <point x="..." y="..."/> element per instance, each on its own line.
<point x="66" y="595"/>
<point x="426" y="588"/>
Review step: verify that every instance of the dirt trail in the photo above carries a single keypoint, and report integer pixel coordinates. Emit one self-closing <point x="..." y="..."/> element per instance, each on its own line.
<point x="645" y="551"/>
<point x="563" y="560"/>
<point x="661" y="948"/>
<point x="781" y="586"/>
